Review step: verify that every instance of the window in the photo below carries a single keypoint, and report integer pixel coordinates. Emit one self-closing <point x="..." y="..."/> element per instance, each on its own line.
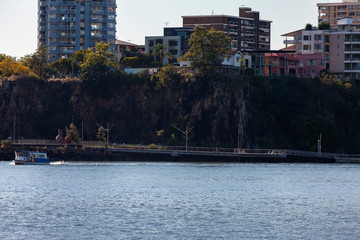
<point x="306" y="47"/>
<point x="318" y="37"/>
<point x="173" y="43"/>
<point x="307" y="38"/>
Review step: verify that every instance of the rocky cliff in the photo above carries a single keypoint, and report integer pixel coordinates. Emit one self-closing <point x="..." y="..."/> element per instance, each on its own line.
<point x="249" y="112"/>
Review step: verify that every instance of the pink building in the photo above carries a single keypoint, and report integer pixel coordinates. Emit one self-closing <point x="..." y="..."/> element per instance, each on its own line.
<point x="299" y="65"/>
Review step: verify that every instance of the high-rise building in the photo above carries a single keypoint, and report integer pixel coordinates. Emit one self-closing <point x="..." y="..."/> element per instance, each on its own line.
<point x="67" y="26"/>
<point x="333" y="12"/>
<point x="247" y="32"/>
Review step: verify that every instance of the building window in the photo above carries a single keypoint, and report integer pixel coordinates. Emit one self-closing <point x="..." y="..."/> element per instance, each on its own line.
<point x="318" y="37"/>
<point x="307" y="47"/>
<point x="307" y="38"/>
<point x="173" y="43"/>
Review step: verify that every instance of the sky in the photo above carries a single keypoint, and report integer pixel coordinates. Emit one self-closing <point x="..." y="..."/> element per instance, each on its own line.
<point x="139" y="18"/>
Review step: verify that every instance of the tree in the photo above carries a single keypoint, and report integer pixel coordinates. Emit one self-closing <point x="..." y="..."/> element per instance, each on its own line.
<point x="101" y="134"/>
<point x="10" y="67"/>
<point x="72" y="134"/>
<point x="37" y="62"/>
<point x="160" y="51"/>
<point x="97" y="63"/>
<point x="324" y="26"/>
<point x="63" y="66"/>
<point x="208" y="49"/>
<point x="4" y="56"/>
<point x="308" y="27"/>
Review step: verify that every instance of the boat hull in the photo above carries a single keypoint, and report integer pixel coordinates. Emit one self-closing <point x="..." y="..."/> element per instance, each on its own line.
<point x="21" y="162"/>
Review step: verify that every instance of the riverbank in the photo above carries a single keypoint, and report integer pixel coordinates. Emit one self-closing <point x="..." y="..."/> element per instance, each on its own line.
<point x="165" y="154"/>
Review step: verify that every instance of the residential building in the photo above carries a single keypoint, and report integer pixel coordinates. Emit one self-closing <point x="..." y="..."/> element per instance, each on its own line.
<point x="332" y="12"/>
<point x="247" y="31"/>
<point x="122" y="48"/>
<point x="67" y="26"/>
<point x="176" y="40"/>
<point x="336" y="50"/>
<point x="173" y="43"/>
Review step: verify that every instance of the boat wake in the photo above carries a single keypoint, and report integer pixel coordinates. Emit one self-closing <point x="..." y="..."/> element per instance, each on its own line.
<point x="57" y="163"/>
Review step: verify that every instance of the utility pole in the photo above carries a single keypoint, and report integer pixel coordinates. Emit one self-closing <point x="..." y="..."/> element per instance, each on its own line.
<point x="319" y="144"/>
<point x="107" y="130"/>
<point x="186" y="133"/>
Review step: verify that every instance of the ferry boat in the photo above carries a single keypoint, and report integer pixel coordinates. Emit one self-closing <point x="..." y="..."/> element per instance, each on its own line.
<point x="31" y="158"/>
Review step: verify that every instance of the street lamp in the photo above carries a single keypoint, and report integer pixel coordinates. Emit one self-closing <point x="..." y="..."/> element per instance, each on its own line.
<point x="186" y="133"/>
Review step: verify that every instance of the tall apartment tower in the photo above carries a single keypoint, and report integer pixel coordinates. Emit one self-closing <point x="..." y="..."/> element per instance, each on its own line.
<point x="333" y="12"/>
<point x="247" y="32"/>
<point x="67" y="26"/>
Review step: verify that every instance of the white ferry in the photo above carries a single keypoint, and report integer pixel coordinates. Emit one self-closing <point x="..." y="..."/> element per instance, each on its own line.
<point x="31" y="158"/>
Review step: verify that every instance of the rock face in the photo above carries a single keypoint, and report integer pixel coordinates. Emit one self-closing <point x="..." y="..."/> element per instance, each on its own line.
<point x="244" y="112"/>
<point x="138" y="110"/>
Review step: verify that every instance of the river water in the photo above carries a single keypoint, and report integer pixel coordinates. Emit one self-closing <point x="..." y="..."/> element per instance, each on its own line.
<point x="179" y="201"/>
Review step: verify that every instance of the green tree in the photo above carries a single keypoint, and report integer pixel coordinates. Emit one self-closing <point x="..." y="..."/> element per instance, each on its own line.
<point x="37" y="62"/>
<point x="308" y="27"/>
<point x="63" y="66"/>
<point x="208" y="49"/>
<point x="97" y="64"/>
<point x="72" y="133"/>
<point x="160" y="51"/>
<point x="324" y="26"/>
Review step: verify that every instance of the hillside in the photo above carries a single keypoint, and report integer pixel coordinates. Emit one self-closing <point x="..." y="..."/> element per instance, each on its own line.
<point x="254" y="112"/>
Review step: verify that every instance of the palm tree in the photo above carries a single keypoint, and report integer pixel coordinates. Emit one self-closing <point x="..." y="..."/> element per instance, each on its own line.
<point x="161" y="50"/>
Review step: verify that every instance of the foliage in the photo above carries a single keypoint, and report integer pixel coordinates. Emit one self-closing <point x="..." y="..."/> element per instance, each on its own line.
<point x="308" y="27"/>
<point x="72" y="133"/>
<point x="63" y="66"/>
<point x="37" y="62"/>
<point x="160" y="51"/>
<point x="4" y="56"/>
<point x="9" y="67"/>
<point x="101" y="134"/>
<point x="167" y="76"/>
<point x="208" y="49"/>
<point x="130" y="62"/>
<point x="97" y="64"/>
<point x="324" y="26"/>
<point x="6" y="143"/>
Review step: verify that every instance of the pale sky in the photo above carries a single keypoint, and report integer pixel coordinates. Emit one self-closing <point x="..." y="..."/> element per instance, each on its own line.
<point x="139" y="18"/>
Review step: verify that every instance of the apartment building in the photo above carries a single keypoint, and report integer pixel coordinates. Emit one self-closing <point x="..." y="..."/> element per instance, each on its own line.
<point x="176" y="40"/>
<point x="247" y="31"/>
<point x="332" y="12"/>
<point x="336" y="50"/>
<point x="67" y="26"/>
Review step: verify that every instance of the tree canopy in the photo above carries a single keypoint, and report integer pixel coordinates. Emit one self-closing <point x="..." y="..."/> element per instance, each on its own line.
<point x="208" y="49"/>
<point x="97" y="63"/>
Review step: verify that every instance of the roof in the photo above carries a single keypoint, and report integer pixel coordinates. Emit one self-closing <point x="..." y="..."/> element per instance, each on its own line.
<point x="291" y="34"/>
<point x="228" y="16"/>
<point x="120" y="42"/>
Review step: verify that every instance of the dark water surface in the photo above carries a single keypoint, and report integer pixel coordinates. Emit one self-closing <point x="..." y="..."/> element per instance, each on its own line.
<point x="179" y="201"/>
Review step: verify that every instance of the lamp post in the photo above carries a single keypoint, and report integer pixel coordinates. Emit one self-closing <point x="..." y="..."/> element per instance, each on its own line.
<point x="107" y="130"/>
<point x="186" y="133"/>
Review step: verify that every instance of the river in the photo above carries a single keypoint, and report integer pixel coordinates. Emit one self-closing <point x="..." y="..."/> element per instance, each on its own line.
<point x="117" y="200"/>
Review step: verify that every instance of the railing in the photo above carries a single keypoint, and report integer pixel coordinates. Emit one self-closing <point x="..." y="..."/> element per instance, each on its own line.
<point x="214" y="150"/>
